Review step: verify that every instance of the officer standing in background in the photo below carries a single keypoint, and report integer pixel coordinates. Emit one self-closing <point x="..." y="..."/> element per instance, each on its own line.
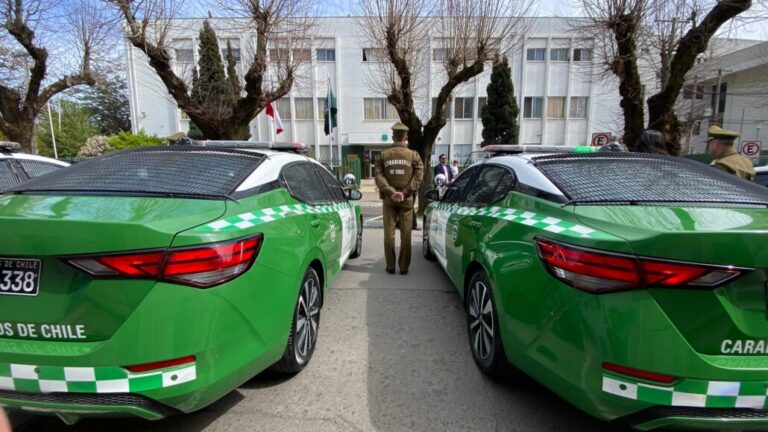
<point x="399" y="173"/>
<point x="725" y="157"/>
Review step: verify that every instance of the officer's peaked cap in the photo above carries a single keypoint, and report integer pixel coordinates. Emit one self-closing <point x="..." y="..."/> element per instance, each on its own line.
<point x="723" y="134"/>
<point x="399" y="127"/>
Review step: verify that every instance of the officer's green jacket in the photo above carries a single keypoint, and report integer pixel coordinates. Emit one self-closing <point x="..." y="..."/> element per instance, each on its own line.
<point x="399" y="169"/>
<point x="735" y="164"/>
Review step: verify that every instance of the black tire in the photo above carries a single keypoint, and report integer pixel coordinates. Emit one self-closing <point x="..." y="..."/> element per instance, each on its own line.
<point x="425" y="248"/>
<point x="306" y="323"/>
<point x="483" y="329"/>
<point x="359" y="245"/>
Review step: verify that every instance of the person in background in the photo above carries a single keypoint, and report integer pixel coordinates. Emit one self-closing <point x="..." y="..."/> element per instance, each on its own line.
<point x="444" y="169"/>
<point x="725" y="157"/>
<point x="399" y="173"/>
<point x="455" y="167"/>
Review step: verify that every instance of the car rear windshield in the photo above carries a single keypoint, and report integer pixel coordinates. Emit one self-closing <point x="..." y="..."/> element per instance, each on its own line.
<point x="156" y="171"/>
<point x="639" y="178"/>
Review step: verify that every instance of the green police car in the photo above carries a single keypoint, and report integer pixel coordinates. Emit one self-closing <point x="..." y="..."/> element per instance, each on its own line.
<point x="632" y="285"/>
<point x="154" y="281"/>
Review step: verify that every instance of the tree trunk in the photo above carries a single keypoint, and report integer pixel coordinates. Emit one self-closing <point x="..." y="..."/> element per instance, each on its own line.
<point x="21" y="132"/>
<point x="661" y="105"/>
<point x="630" y="88"/>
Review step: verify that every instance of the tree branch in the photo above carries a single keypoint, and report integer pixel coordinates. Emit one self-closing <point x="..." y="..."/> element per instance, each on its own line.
<point x="64" y="84"/>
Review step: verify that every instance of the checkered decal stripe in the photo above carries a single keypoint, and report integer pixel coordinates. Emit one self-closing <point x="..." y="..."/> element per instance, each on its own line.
<point x="691" y="393"/>
<point x="47" y="379"/>
<point x="544" y="222"/>
<point x="258" y="217"/>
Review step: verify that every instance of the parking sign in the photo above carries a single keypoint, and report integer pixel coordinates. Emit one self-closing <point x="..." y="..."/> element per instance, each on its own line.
<point x="750" y="148"/>
<point x="600" y="138"/>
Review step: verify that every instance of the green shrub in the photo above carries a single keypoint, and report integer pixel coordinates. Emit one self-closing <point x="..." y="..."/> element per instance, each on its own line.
<point x="126" y="140"/>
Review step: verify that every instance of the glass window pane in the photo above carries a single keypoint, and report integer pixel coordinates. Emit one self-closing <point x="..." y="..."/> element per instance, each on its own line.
<point x="283" y="106"/>
<point x="302" y="182"/>
<point x="335" y="188"/>
<point x="303" y="108"/>
<point x="7" y="177"/>
<point x="482" y="191"/>
<point x="555" y="107"/>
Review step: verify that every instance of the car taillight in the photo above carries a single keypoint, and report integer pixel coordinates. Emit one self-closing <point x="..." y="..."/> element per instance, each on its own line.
<point x="200" y="266"/>
<point x="601" y="272"/>
<point x="639" y="373"/>
<point x="145" y="367"/>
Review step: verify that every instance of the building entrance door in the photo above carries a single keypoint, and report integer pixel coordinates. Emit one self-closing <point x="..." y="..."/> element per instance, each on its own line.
<point x="374" y="156"/>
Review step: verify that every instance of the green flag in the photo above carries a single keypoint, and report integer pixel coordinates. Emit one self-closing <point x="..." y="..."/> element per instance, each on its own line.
<point x="330" y="111"/>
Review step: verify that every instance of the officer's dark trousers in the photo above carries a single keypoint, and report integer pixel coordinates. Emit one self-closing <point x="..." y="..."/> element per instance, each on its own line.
<point x="400" y="216"/>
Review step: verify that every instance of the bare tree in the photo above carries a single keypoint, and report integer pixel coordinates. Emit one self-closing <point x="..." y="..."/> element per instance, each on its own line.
<point x="677" y="32"/>
<point x="279" y="27"/>
<point x="39" y="40"/>
<point x="466" y="34"/>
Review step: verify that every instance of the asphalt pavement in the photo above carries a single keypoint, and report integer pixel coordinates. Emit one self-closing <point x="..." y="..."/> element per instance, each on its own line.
<point x="391" y="355"/>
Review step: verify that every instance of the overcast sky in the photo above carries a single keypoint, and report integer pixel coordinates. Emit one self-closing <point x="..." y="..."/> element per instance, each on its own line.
<point x="757" y="29"/>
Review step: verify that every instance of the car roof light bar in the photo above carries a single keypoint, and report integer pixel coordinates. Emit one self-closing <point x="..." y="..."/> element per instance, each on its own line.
<point x="9" y="147"/>
<point x="497" y="149"/>
<point x="293" y="146"/>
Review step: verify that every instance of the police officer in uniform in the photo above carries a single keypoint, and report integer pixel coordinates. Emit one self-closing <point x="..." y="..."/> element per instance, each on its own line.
<point x="399" y="173"/>
<point x="725" y="157"/>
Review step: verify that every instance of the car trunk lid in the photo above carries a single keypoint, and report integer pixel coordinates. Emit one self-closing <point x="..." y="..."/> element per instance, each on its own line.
<point x="738" y="237"/>
<point x="39" y="230"/>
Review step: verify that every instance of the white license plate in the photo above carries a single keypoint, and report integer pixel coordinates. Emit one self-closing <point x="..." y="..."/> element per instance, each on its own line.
<point x="19" y="276"/>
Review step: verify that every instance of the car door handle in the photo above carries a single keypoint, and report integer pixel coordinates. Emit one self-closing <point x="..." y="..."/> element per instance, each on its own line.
<point x="476" y="224"/>
<point x="314" y="223"/>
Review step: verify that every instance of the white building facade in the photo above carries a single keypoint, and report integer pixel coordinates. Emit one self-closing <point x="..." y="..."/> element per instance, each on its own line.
<point x="561" y="100"/>
<point x="739" y="104"/>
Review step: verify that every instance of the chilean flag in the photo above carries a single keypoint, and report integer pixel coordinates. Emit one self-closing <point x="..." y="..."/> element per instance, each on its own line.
<point x="272" y="112"/>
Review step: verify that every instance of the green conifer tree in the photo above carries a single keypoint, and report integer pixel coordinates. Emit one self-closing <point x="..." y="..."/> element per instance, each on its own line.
<point x="211" y="88"/>
<point x="500" y="113"/>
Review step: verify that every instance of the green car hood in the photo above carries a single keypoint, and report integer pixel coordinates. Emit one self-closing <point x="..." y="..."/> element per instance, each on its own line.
<point x="70" y="305"/>
<point x="724" y="318"/>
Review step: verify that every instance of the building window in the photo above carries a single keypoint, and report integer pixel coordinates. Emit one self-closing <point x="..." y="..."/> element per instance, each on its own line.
<point x="688" y="92"/>
<point x="185" y="55"/>
<point x="374" y="55"/>
<point x="183" y="49"/>
<point x="283" y="106"/>
<point x="321" y="108"/>
<point x="235" y="44"/>
<point x="278" y="55"/>
<point x="434" y="108"/>
<point x="302" y="55"/>
<point x="464" y="107"/>
<point x="555" y="107"/>
<point x="582" y="54"/>
<point x="723" y="91"/>
<point x="439" y="54"/>
<point x="326" y="54"/>
<point x="303" y="107"/>
<point x="558" y="54"/>
<point x="533" y="107"/>
<point x="578" y="107"/>
<point x="536" y="54"/>
<point x="378" y="109"/>
<point x="183" y="116"/>
<point x="481" y="102"/>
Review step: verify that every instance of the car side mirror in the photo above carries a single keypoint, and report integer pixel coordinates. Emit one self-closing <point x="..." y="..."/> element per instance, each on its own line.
<point x="354" y="194"/>
<point x="432" y="195"/>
